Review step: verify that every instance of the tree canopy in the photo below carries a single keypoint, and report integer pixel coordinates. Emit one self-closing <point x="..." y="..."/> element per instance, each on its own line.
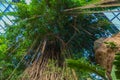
<point x="44" y="35"/>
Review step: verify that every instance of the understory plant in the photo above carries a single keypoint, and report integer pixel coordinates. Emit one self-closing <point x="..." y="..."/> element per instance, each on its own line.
<point x="117" y="65"/>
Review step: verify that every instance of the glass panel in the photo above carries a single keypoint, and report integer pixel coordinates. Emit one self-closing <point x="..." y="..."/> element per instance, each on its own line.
<point x="11" y="18"/>
<point x="116" y="22"/>
<point x="109" y="15"/>
<point x="28" y="1"/>
<point x="5" y="6"/>
<point x="119" y="16"/>
<point x="2" y="31"/>
<point x="7" y="20"/>
<point x="2" y="8"/>
<point x="116" y="13"/>
<point x="2" y="23"/>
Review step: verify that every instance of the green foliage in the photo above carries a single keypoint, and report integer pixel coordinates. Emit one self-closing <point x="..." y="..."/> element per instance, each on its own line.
<point x="41" y="18"/>
<point x="117" y="65"/>
<point x="84" y="66"/>
<point x="111" y="45"/>
<point x="85" y="2"/>
<point x="104" y="23"/>
<point x="4" y="61"/>
<point x="46" y="19"/>
<point x="3" y="48"/>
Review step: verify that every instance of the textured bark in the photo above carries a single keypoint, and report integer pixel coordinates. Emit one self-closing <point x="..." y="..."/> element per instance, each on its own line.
<point x="50" y="65"/>
<point x="105" y="55"/>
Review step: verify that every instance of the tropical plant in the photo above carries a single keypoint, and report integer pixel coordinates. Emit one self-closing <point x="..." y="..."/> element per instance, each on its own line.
<point x="117" y="65"/>
<point x="81" y="65"/>
<point x="52" y="35"/>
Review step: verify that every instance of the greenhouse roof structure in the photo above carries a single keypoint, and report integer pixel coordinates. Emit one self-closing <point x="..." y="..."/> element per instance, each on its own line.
<point x="113" y="16"/>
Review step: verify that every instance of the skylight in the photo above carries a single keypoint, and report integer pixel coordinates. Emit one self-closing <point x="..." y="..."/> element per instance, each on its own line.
<point x="114" y="17"/>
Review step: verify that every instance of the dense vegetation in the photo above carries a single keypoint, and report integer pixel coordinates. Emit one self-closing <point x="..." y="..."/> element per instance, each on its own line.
<point x="44" y="36"/>
<point x="117" y="65"/>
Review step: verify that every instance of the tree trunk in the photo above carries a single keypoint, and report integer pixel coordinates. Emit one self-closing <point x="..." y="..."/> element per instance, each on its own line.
<point x="50" y="65"/>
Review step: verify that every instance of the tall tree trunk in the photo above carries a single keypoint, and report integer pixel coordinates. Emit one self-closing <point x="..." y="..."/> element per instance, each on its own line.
<point x="50" y="65"/>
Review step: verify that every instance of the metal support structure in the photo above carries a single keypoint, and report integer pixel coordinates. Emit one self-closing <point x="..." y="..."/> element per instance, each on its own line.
<point x="115" y="18"/>
<point x="8" y="7"/>
<point x="5" y="7"/>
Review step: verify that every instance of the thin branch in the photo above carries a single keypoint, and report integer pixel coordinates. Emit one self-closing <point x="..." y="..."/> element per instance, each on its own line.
<point x="74" y="26"/>
<point x="63" y="42"/>
<point x="92" y="6"/>
<point x="86" y="31"/>
<point x="92" y="12"/>
<point x="44" y="44"/>
<point x="71" y="38"/>
<point x="21" y="60"/>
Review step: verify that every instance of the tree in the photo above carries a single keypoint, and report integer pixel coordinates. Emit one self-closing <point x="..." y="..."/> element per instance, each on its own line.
<point x="52" y="34"/>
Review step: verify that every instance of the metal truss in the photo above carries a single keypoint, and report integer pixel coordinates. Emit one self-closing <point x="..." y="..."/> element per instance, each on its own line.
<point x="5" y="6"/>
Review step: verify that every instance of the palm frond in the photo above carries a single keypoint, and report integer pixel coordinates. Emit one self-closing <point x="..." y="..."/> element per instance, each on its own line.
<point x="85" y="66"/>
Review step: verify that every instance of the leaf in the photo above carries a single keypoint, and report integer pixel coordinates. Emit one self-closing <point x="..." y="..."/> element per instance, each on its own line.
<point x="85" y="66"/>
